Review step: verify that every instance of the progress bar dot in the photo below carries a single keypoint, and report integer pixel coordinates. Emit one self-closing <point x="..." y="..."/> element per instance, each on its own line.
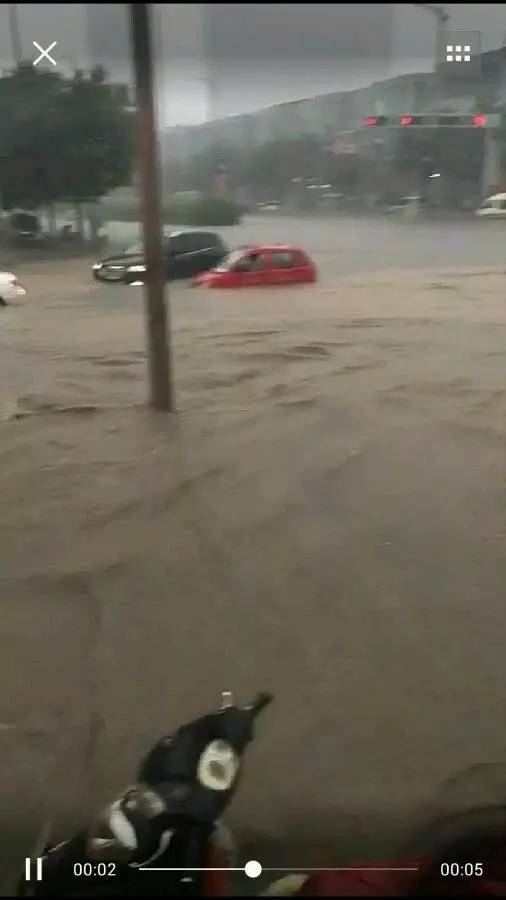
<point x="252" y="869"/>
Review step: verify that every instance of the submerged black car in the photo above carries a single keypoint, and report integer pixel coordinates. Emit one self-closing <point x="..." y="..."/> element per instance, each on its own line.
<point x="186" y="253"/>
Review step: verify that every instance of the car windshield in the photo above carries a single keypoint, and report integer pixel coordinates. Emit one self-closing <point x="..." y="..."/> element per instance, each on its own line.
<point x="233" y="258"/>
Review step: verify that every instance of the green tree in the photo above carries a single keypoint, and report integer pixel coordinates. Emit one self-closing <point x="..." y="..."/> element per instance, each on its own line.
<point x="487" y="101"/>
<point x="62" y="139"/>
<point x="31" y="172"/>
<point x="265" y="167"/>
<point x="455" y="153"/>
<point x="450" y="150"/>
<point x="95" y="139"/>
<point x="272" y="166"/>
<point x="199" y="170"/>
<point x="269" y="167"/>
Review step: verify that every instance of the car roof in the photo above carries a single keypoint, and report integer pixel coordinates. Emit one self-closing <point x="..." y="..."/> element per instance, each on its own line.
<point x="172" y="234"/>
<point x="495" y="197"/>
<point x="270" y="247"/>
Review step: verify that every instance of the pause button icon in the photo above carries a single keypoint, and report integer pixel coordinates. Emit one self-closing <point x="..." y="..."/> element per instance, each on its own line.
<point x="38" y="868"/>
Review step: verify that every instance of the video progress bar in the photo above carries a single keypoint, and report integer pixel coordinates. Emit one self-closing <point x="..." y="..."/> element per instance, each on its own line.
<point x="253" y="869"/>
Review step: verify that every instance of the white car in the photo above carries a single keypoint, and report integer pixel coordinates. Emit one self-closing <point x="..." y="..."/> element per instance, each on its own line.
<point x="493" y="207"/>
<point x="10" y="288"/>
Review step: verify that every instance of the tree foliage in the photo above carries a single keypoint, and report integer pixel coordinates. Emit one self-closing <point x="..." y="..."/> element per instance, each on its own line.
<point x="451" y="151"/>
<point x="61" y="139"/>
<point x="278" y="169"/>
<point x="274" y="165"/>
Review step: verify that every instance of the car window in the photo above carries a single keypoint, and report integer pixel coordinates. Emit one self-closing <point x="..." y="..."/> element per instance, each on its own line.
<point x="192" y="241"/>
<point x="283" y="260"/>
<point x="300" y="259"/>
<point x="255" y="261"/>
<point x="502" y="204"/>
<point x="252" y="260"/>
<point x="232" y="259"/>
<point x="196" y="242"/>
<point x="180" y="243"/>
<point x="211" y="240"/>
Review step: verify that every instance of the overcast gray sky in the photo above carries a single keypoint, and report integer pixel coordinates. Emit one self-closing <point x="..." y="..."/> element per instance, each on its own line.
<point x="222" y="59"/>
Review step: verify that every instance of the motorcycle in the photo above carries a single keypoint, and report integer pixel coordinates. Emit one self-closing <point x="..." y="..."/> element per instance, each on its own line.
<point x="163" y="836"/>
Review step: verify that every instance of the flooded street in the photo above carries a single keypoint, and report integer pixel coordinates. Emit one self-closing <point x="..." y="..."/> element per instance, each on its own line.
<point x="324" y="518"/>
<point x="345" y="245"/>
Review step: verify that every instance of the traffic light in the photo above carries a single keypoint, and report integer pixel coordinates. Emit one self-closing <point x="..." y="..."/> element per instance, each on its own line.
<point x="375" y="120"/>
<point x="433" y="120"/>
<point x="411" y="120"/>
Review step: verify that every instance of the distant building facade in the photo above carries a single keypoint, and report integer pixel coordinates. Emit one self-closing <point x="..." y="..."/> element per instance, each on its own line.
<point x="332" y="114"/>
<point x="327" y="115"/>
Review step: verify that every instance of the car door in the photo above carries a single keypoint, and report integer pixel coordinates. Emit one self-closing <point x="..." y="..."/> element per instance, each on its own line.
<point x="170" y="253"/>
<point x="496" y="207"/>
<point x="196" y="255"/>
<point x="253" y="269"/>
<point x="208" y="253"/>
<point x="485" y="209"/>
<point x="283" y="267"/>
<point x="177" y="256"/>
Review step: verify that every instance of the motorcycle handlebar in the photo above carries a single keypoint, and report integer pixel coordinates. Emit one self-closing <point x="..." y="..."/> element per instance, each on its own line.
<point x="262" y="700"/>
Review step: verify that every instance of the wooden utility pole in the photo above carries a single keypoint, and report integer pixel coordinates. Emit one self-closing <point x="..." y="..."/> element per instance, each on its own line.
<point x="160" y="374"/>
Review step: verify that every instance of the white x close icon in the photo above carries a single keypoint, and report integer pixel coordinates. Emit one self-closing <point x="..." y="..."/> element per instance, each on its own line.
<point x="44" y="53"/>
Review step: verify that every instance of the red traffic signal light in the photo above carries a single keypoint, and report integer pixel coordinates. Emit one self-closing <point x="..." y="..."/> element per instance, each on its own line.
<point x="374" y="120"/>
<point x="479" y="121"/>
<point x="414" y="120"/>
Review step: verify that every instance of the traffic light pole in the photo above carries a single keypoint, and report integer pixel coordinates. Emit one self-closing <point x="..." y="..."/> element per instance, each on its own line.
<point x="160" y="375"/>
<point x="491" y="168"/>
<point x="491" y="178"/>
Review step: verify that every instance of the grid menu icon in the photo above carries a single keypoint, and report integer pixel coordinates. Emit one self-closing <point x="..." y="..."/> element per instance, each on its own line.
<point x="459" y="54"/>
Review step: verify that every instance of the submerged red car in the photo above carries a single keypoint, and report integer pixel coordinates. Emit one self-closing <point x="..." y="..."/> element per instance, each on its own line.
<point x="264" y="264"/>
